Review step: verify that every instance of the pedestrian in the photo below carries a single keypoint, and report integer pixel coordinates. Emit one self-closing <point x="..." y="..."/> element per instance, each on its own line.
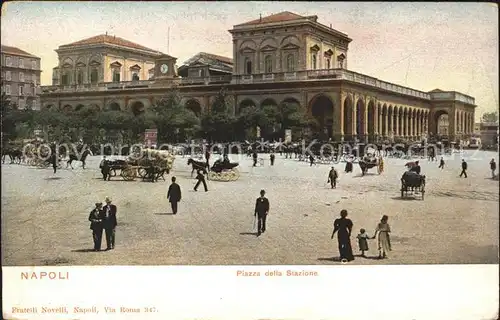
<point x="311" y="159"/>
<point x="363" y="241"/>
<point x="493" y="167"/>
<point x="110" y="223"/>
<point x="464" y="169"/>
<point x="105" y="169"/>
<point x="207" y="157"/>
<point x="272" y="157"/>
<point x="261" y="211"/>
<point x="332" y="178"/>
<point x="96" y="217"/>
<point x="441" y="164"/>
<point x="201" y="179"/>
<point x="174" y="195"/>
<point x="343" y="227"/>
<point x="384" y="241"/>
<point x="53" y="160"/>
<point x="254" y="158"/>
<point x="416" y="168"/>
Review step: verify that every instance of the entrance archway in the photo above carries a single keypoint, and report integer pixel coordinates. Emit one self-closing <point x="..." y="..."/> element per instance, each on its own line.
<point x="137" y="108"/>
<point x="322" y="111"/>
<point x="247" y="103"/>
<point x="441" y="123"/>
<point x="67" y="108"/>
<point x="79" y="107"/>
<point x="348" y="109"/>
<point x="194" y="106"/>
<point x="114" y="106"/>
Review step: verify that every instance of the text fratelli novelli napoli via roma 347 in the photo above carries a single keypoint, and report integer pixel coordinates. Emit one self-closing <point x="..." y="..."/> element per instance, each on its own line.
<point x="277" y="273"/>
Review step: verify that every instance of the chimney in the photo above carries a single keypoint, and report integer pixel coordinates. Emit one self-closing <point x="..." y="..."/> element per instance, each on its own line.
<point x="261" y="17"/>
<point x="330" y="25"/>
<point x="106" y="33"/>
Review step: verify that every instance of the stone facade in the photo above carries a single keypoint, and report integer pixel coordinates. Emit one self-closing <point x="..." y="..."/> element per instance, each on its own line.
<point x="286" y="58"/>
<point x="21" y="77"/>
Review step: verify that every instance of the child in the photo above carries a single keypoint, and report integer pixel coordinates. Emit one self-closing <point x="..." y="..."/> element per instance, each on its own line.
<point x="363" y="241"/>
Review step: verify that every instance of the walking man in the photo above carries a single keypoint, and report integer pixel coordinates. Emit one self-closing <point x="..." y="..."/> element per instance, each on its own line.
<point x="332" y="178"/>
<point x="201" y="179"/>
<point x="441" y="164"/>
<point x="464" y="169"/>
<point x="261" y="211"/>
<point x="254" y="158"/>
<point x="110" y="223"/>
<point x="207" y="157"/>
<point x="311" y="159"/>
<point x="493" y="167"/>
<point x="96" y="217"/>
<point x="105" y="170"/>
<point x="272" y="157"/>
<point x="174" y="195"/>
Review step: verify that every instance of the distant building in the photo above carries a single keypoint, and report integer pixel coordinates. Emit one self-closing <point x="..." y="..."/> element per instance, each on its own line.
<point x="21" y="77"/>
<point x="489" y="133"/>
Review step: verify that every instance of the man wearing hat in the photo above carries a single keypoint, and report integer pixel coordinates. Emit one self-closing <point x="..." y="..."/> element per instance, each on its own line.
<point x="332" y="178"/>
<point x="261" y="211"/>
<point x="96" y="217"/>
<point x="174" y="195"/>
<point x="110" y="223"/>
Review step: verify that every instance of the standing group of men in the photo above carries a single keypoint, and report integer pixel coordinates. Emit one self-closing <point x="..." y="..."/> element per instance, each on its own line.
<point x="103" y="219"/>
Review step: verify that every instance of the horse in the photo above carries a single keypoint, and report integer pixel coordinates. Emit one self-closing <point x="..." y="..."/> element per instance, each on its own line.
<point x="197" y="165"/>
<point x="74" y="157"/>
<point x="366" y="163"/>
<point x="15" y="155"/>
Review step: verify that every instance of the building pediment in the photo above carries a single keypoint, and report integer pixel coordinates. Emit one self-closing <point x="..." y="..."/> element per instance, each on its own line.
<point x="268" y="48"/>
<point x="247" y="50"/>
<point x="135" y="67"/>
<point x="80" y="65"/>
<point x="315" y="48"/>
<point x="290" y="46"/>
<point x="329" y="53"/>
<point x="115" y="64"/>
<point x="94" y="63"/>
<point x="341" y="57"/>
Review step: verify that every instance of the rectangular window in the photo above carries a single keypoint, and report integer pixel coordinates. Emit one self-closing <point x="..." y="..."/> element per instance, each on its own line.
<point x="33" y="64"/>
<point x="21" y="77"/>
<point x="21" y="104"/>
<point x="7" y="76"/>
<point x="7" y="89"/>
<point x="21" y="90"/>
<point x="8" y="61"/>
<point x="33" y="105"/>
<point x="21" y="63"/>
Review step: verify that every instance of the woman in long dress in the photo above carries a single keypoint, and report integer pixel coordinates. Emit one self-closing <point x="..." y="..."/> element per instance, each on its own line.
<point x="343" y="227"/>
<point x="384" y="241"/>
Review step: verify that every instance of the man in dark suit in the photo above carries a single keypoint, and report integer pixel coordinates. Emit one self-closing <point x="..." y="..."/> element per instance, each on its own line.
<point x="261" y="211"/>
<point x="110" y="223"/>
<point x="174" y="195"/>
<point x="416" y="168"/>
<point x="332" y="178"/>
<point x="464" y="169"/>
<point x="201" y="179"/>
<point x="96" y="218"/>
<point x="254" y="156"/>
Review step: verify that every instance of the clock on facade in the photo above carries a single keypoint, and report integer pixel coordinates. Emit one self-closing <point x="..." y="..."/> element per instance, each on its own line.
<point x="164" y="68"/>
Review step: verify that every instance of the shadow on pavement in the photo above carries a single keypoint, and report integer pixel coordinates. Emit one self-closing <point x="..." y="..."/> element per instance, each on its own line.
<point x="83" y="250"/>
<point x="407" y="198"/>
<point x="164" y="213"/>
<point x="53" y="178"/>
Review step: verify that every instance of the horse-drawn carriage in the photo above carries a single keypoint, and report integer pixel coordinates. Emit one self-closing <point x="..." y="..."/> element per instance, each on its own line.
<point x="367" y="163"/>
<point x="152" y="165"/>
<point x="224" y="171"/>
<point x="412" y="182"/>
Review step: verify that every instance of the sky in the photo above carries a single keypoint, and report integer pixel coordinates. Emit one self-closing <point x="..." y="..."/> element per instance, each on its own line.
<point x="450" y="46"/>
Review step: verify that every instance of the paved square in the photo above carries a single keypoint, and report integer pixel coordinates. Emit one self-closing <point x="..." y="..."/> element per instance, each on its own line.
<point x="44" y="216"/>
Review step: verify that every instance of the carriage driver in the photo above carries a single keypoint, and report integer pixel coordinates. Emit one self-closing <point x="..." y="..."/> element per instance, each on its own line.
<point x="416" y="168"/>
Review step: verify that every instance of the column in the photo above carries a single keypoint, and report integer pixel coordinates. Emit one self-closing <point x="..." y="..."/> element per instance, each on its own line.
<point x="396" y="124"/>
<point x="412" y="119"/>
<point x="341" y="122"/>
<point x="354" y="116"/>
<point x="405" y="123"/>
<point x="375" y="119"/>
<point x="365" y="118"/>
<point x="386" y="122"/>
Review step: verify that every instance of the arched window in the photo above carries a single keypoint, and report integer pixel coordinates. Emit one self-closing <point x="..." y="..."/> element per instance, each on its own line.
<point x="116" y="75"/>
<point x="65" y="78"/>
<point x="268" y="64"/>
<point x="93" y="76"/>
<point x="135" y="76"/>
<point x="290" y="63"/>
<point x="313" y="61"/>
<point x="328" y="63"/>
<point x="79" y="77"/>
<point x="248" y="66"/>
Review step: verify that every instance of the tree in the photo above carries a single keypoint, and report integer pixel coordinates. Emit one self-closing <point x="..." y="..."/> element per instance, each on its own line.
<point x="490" y="117"/>
<point x="218" y="124"/>
<point x="173" y="120"/>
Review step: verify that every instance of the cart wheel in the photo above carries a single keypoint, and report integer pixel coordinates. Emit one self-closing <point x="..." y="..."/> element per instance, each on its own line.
<point x="128" y="174"/>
